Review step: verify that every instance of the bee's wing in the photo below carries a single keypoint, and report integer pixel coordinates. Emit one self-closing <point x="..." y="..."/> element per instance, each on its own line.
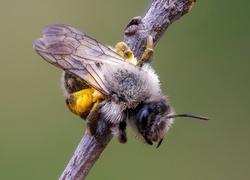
<point x="76" y="52"/>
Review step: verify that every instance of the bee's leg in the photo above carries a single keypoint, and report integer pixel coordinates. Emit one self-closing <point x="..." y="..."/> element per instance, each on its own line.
<point x="123" y="50"/>
<point x="93" y="118"/>
<point x="122" y="136"/>
<point x="83" y="102"/>
<point x="97" y="126"/>
<point x="92" y="128"/>
<point x="148" y="54"/>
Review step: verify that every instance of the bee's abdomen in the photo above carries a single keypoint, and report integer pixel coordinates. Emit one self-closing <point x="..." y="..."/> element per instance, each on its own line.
<point x="73" y="83"/>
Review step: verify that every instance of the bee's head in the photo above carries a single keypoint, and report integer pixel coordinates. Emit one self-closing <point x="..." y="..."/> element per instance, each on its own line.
<point x="152" y="120"/>
<point x="155" y="118"/>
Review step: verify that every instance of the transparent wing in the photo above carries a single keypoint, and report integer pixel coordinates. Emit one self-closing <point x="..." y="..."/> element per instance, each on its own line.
<point x="76" y="52"/>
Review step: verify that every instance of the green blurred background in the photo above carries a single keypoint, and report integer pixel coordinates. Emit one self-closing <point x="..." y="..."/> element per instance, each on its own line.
<point x="203" y="63"/>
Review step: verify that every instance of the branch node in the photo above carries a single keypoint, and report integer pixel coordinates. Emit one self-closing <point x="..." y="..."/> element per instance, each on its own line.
<point x="133" y="26"/>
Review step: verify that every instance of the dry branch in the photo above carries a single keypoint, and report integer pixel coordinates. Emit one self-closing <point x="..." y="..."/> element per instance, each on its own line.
<point x="158" y="17"/>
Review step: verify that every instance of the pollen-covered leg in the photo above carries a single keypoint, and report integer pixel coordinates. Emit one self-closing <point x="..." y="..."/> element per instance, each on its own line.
<point x="83" y="102"/>
<point x="148" y="53"/>
<point x="123" y="49"/>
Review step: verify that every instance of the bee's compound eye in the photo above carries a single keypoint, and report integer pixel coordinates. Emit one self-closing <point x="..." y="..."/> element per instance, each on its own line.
<point x="143" y="119"/>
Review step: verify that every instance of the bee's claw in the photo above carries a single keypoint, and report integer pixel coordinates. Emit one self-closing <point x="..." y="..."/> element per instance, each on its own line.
<point x="123" y="50"/>
<point x="148" y="54"/>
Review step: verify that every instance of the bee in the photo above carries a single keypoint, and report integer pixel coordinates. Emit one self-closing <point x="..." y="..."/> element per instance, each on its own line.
<point x="108" y="84"/>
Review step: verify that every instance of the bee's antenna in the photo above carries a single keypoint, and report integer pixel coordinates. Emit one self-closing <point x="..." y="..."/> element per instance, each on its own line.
<point x="188" y="115"/>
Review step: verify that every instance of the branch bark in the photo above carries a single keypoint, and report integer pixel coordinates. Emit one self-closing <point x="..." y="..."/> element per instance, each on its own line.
<point x="158" y="17"/>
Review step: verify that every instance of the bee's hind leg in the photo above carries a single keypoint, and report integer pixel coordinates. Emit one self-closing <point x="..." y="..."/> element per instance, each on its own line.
<point x="81" y="98"/>
<point x="83" y="102"/>
<point x="92" y="124"/>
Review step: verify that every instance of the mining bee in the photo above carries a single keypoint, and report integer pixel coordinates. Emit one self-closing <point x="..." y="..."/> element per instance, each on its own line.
<point x="111" y="84"/>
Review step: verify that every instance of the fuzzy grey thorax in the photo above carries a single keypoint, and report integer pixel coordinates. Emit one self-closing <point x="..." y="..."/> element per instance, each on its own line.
<point x="128" y="85"/>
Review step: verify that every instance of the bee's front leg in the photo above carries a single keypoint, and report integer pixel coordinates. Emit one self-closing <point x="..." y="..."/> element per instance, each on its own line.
<point x="148" y="54"/>
<point x="123" y="50"/>
<point x="122" y="135"/>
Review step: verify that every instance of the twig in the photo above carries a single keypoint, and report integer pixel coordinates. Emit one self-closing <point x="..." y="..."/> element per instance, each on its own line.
<point x="160" y="14"/>
<point x="158" y="17"/>
<point x="86" y="154"/>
